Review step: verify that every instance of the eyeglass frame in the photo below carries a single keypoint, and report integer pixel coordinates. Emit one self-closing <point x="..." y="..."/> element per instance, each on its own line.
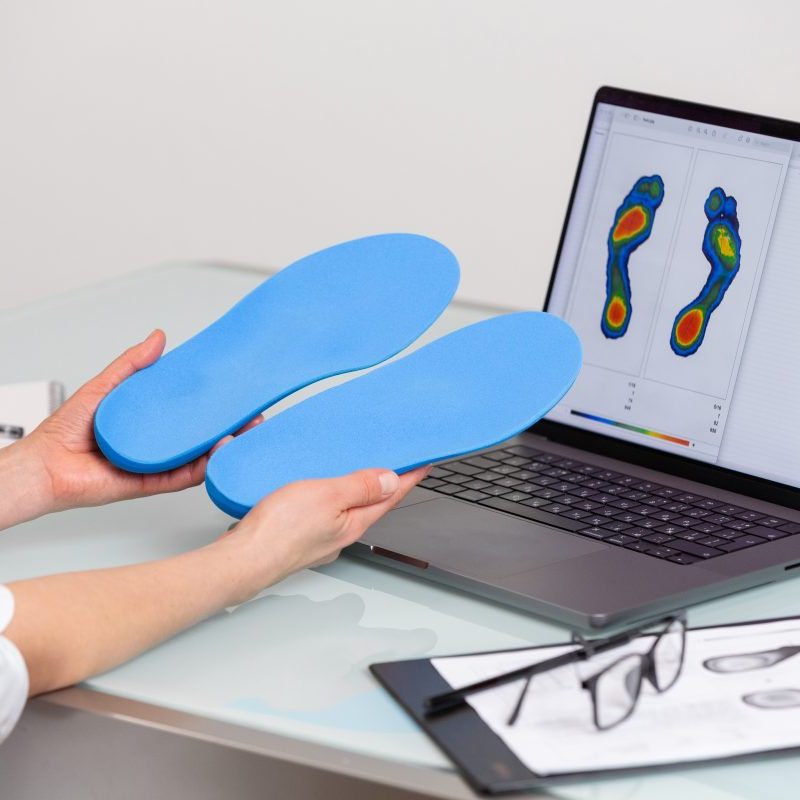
<point x="447" y="701"/>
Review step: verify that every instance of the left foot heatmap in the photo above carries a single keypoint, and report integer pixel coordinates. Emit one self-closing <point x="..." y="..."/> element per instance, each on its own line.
<point x="722" y="247"/>
<point x="633" y="223"/>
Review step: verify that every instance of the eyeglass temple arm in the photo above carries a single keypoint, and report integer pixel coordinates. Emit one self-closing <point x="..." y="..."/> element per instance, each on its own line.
<point x="455" y="697"/>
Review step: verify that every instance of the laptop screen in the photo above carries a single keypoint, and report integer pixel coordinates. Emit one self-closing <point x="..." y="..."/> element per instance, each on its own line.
<point x="680" y="271"/>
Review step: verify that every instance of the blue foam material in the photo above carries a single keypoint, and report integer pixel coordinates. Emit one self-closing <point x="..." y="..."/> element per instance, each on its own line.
<point x="468" y="390"/>
<point x="344" y="308"/>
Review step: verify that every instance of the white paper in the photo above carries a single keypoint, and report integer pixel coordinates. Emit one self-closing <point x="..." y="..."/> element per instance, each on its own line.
<point x="25" y="405"/>
<point x="703" y="716"/>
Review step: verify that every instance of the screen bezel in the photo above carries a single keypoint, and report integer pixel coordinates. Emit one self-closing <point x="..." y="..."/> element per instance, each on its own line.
<point x="711" y="474"/>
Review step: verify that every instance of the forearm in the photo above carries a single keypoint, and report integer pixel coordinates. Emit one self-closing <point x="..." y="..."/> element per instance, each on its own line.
<point x="71" y="626"/>
<point x="23" y="485"/>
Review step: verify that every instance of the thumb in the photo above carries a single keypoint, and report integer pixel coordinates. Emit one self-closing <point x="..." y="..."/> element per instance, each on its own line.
<point x="132" y="360"/>
<point x="366" y="487"/>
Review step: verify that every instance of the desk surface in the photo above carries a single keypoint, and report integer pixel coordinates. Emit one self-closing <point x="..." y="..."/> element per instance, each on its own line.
<point x="289" y="668"/>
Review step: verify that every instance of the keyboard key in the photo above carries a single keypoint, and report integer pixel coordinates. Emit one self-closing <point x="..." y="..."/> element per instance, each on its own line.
<point x="682" y="558"/>
<point x="431" y="483"/>
<point x="677" y="508"/>
<point x="620" y="539"/>
<point x="495" y="455"/>
<point x="508" y="482"/>
<point x="576" y="513"/>
<point x="749" y="516"/>
<point x="548" y="494"/>
<point x="666" y="491"/>
<point x="623" y="504"/>
<point x="497" y="491"/>
<point x="463" y="469"/>
<point x="522" y="450"/>
<point x="640" y="547"/>
<point x="480" y="461"/>
<point x="705" y="527"/>
<point x="662" y="552"/>
<point x="604" y="498"/>
<point x="730" y="511"/>
<point x="582" y="491"/>
<point x="688" y="535"/>
<point x="536" y="502"/>
<point x="595" y="521"/>
<point x="708" y="503"/>
<point x="615" y="526"/>
<point x="741" y="543"/>
<point x="637" y="532"/>
<point x="587" y="505"/>
<point x="565" y="499"/>
<point x="471" y="495"/>
<point x="536" y="514"/>
<point x="515" y="461"/>
<point x="712" y="541"/>
<point x="530" y="488"/>
<point x="563" y="486"/>
<point x="658" y="538"/>
<point x="698" y="513"/>
<point x="595" y="484"/>
<point x="607" y="475"/>
<point x="627" y="516"/>
<point x="457" y="479"/>
<point x="718" y="519"/>
<point x="488" y="475"/>
<point x="517" y="497"/>
<point x="523" y="475"/>
<point x="790" y="527"/>
<point x="476" y="484"/>
<point x="725" y="533"/>
<point x="695" y="549"/>
<point x="566" y="463"/>
<point x="684" y="522"/>
<point x="765" y="533"/>
<point x="647" y="486"/>
<point x="439" y="472"/>
<point x="739" y="525"/>
<point x="771" y="522"/>
<point x="555" y="508"/>
<point x="634" y="495"/>
<point x="504" y="469"/>
<point x="449" y="488"/>
<point x="664" y="516"/>
<point x="544" y="480"/>
<point x="555" y="472"/>
<point x="688" y="498"/>
<point x="593" y="533"/>
<point x="647" y="522"/>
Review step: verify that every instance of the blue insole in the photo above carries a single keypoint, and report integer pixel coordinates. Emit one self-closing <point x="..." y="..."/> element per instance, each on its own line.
<point x="468" y="390"/>
<point x="344" y="308"/>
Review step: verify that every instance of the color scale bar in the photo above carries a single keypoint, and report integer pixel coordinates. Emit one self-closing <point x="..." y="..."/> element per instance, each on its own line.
<point x="655" y="434"/>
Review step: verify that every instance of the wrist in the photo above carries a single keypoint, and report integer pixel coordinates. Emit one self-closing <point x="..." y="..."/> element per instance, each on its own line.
<point x="24" y="484"/>
<point x="241" y="565"/>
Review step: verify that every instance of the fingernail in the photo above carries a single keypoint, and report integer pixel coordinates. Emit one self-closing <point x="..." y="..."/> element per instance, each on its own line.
<point x="389" y="483"/>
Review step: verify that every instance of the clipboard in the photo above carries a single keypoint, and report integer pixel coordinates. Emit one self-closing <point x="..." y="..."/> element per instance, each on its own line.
<point x="488" y="765"/>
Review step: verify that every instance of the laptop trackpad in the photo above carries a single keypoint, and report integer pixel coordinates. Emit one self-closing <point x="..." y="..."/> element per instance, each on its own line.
<point x="474" y="541"/>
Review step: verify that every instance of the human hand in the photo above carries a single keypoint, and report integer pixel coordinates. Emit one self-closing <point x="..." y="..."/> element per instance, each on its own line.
<point x="61" y="464"/>
<point x="308" y="523"/>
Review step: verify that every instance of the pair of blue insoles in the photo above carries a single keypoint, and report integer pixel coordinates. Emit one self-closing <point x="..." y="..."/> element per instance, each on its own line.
<point x="342" y="309"/>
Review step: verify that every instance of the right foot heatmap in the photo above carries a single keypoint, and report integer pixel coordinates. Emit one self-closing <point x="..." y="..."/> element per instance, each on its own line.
<point x="722" y="247"/>
<point x="632" y="225"/>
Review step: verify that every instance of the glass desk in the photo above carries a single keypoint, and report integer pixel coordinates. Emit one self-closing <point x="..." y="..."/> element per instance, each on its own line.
<point x="276" y="689"/>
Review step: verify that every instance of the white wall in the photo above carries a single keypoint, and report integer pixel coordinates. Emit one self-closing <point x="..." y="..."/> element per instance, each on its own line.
<point x="136" y="132"/>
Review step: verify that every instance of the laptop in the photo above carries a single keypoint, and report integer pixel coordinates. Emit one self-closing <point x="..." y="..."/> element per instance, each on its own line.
<point x="670" y="472"/>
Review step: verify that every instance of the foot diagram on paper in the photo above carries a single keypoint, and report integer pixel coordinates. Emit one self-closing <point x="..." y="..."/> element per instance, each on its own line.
<point x="633" y="223"/>
<point x="722" y="247"/>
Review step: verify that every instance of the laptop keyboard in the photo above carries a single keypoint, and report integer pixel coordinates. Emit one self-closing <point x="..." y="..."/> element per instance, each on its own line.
<point x="623" y="510"/>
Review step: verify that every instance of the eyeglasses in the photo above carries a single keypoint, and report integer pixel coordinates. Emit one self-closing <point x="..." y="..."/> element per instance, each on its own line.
<point x="614" y="689"/>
